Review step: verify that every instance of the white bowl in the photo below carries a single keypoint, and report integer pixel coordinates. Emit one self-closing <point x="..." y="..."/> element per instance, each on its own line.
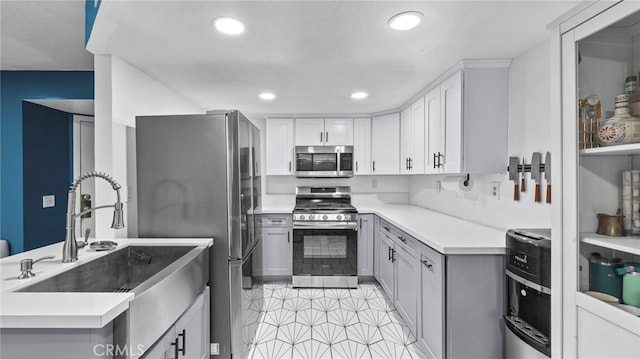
<point x="603" y="297"/>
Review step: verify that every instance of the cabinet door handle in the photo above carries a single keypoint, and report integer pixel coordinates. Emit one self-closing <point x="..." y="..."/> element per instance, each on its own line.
<point x="326" y="137"/>
<point x="390" y="253"/>
<point x="393" y="255"/>
<point x="360" y="220"/>
<point x="320" y="137"/>
<point x="288" y="237"/>
<point x="356" y="166"/>
<point x="426" y="263"/>
<point x="410" y="163"/>
<point x="406" y="164"/>
<point x="289" y="166"/>
<point x="175" y="348"/>
<point x="434" y="160"/>
<point x="184" y="342"/>
<point x="374" y="166"/>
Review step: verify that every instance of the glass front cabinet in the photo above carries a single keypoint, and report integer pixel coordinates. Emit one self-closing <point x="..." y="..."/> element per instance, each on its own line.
<point x="599" y="138"/>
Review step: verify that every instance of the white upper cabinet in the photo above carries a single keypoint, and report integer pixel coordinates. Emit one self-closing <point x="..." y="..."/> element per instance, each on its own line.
<point x="279" y="146"/>
<point x="338" y="131"/>
<point x="434" y="135"/>
<point x="324" y="132"/>
<point x="467" y="117"/>
<point x="385" y="144"/>
<point x="309" y="131"/>
<point x="362" y="146"/>
<point x="412" y="141"/>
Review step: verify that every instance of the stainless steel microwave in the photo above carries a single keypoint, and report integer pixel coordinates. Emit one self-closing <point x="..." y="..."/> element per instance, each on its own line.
<point x="324" y="161"/>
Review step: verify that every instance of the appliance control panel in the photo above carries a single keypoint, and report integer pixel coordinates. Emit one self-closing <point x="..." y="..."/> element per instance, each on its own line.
<point x="324" y="217"/>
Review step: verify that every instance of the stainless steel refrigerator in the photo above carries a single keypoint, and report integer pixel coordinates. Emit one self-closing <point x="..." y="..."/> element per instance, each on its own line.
<point x="199" y="176"/>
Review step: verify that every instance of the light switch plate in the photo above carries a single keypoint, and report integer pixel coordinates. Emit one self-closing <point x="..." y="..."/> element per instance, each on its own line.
<point x="48" y="201"/>
<point x="215" y="348"/>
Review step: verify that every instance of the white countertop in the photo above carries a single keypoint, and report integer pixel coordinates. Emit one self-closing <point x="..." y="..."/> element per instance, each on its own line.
<point x="65" y="309"/>
<point x="446" y="234"/>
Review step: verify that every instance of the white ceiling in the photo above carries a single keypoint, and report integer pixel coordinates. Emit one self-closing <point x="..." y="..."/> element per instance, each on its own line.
<point x="311" y="54"/>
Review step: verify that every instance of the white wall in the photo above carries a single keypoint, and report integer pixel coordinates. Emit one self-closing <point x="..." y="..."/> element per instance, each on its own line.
<point x="122" y="93"/>
<point x="529" y="131"/>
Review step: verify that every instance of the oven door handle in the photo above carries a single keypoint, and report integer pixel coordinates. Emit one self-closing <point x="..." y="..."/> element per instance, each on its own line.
<point x="325" y="225"/>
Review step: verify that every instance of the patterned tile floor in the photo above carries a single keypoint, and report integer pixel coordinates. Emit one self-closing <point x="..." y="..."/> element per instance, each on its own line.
<point x="331" y="323"/>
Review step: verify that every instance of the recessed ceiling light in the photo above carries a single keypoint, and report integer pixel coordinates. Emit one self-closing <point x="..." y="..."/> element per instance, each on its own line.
<point x="405" y="20"/>
<point x="359" y="95"/>
<point x="228" y="25"/>
<point x="267" y="96"/>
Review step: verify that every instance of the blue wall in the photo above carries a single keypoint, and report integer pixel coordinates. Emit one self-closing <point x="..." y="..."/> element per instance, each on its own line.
<point x="47" y="160"/>
<point x="14" y="87"/>
<point x="90" y="13"/>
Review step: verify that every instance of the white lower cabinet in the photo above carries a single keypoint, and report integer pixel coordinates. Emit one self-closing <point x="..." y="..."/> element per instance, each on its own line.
<point x="365" y="245"/>
<point x="277" y="245"/>
<point x="188" y="338"/>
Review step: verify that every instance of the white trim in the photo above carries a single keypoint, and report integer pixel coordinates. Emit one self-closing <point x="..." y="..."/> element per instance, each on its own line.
<point x="606" y="18"/>
<point x="569" y="201"/>
<point x="609" y="312"/>
<point x="556" y="196"/>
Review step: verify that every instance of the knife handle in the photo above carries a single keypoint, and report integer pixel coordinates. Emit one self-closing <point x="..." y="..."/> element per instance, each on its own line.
<point x="548" y="192"/>
<point x="537" y="195"/>
<point x="516" y="192"/>
<point x="522" y="185"/>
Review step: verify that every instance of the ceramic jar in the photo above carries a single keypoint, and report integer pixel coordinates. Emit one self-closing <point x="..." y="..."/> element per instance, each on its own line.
<point x="622" y="128"/>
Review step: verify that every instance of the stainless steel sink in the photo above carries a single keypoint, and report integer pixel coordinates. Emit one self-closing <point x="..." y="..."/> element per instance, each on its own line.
<point x="165" y="280"/>
<point x="120" y="271"/>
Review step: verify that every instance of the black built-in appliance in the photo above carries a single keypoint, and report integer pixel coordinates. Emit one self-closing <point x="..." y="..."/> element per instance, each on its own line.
<point x="528" y="275"/>
<point x="325" y="238"/>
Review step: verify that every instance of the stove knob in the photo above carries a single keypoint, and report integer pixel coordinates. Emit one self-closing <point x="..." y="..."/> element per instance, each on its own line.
<point x="340" y="217"/>
<point x="302" y="217"/>
<point x="312" y="216"/>
<point x="325" y="217"/>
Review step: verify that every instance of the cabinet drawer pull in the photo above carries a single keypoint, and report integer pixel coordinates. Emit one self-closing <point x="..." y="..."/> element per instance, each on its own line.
<point x="404" y="240"/>
<point x="386" y="228"/>
<point x="426" y="263"/>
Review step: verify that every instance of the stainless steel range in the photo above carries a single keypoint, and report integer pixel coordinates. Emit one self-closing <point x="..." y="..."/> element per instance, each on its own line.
<point x="325" y="238"/>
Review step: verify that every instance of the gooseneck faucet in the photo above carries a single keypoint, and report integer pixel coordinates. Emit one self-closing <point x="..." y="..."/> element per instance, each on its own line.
<point x="70" y="247"/>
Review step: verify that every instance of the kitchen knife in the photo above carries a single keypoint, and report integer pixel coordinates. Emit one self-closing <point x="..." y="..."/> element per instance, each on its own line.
<point x="547" y="174"/>
<point x="513" y="176"/>
<point x="524" y="176"/>
<point x="535" y="173"/>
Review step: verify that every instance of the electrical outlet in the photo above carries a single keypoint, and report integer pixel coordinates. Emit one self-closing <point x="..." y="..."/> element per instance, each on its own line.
<point x="495" y="190"/>
<point x="48" y="201"/>
<point x="374" y="183"/>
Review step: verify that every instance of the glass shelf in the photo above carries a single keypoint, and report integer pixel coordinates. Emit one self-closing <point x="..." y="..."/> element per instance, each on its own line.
<point x="628" y="244"/>
<point x="630" y="149"/>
